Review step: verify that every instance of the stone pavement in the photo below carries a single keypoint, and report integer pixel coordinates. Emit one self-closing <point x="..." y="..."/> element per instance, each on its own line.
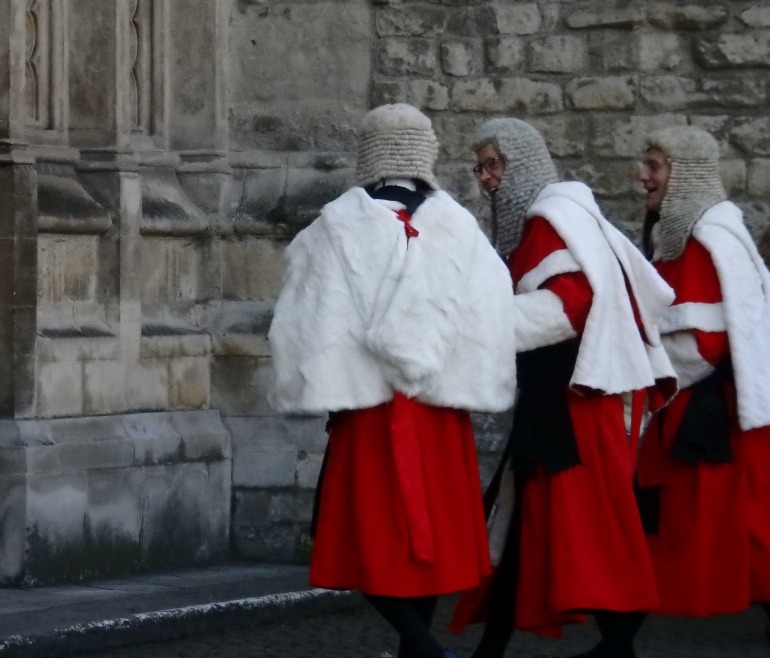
<point x="69" y="620"/>
<point x="260" y="611"/>
<point x="360" y="633"/>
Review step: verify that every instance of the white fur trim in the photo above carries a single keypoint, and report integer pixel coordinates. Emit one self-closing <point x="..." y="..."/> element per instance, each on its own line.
<point x="745" y="284"/>
<point x="690" y="366"/>
<point x="555" y="263"/>
<point x="541" y="320"/>
<point x="612" y="357"/>
<point x="363" y="313"/>
<point x="693" y="315"/>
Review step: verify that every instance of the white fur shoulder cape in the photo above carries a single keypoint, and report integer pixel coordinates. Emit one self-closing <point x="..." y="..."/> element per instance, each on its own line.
<point x="612" y="357"/>
<point x="745" y="284"/>
<point x="363" y="312"/>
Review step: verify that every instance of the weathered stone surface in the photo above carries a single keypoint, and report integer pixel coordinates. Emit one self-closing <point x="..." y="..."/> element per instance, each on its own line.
<point x="308" y="470"/>
<point x="170" y="269"/>
<point x="734" y="50"/>
<point x="506" y="54"/>
<point x="686" y="17"/>
<point x="626" y="136"/>
<point x="461" y="58"/>
<point x="518" y="18"/>
<point x="752" y="135"/>
<point x="611" y="93"/>
<point x="424" y="94"/>
<point x="661" y="51"/>
<point x="104" y="387"/>
<point x="736" y="92"/>
<point x="292" y="434"/>
<point x="60" y="389"/>
<point x="607" y="178"/>
<point x="291" y="507"/>
<point x="669" y="92"/>
<point x="733" y="174"/>
<point x="400" y="57"/>
<point x="251" y="269"/>
<point x="189" y="383"/>
<point x="558" y="54"/>
<point x="759" y="178"/>
<point x="587" y="16"/>
<point x="510" y="95"/>
<point x="411" y="21"/>
<point x="564" y="134"/>
<point x="254" y="468"/>
<point x="757" y="16"/>
<point x="473" y="21"/>
<point x="612" y="51"/>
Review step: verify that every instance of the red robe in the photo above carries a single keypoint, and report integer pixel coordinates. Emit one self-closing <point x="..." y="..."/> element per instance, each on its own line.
<point x="711" y="551"/>
<point x="582" y="545"/>
<point x="400" y="508"/>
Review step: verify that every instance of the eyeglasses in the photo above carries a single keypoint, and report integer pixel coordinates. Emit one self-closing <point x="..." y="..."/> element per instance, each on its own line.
<point x="489" y="165"/>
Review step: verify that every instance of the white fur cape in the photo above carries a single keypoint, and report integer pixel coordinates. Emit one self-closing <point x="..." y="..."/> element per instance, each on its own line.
<point x="361" y="314"/>
<point x="745" y="284"/>
<point x="612" y="356"/>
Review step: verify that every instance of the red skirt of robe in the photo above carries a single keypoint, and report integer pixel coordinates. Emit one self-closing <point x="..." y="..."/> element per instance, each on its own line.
<point x="582" y="544"/>
<point x="755" y="462"/>
<point x="400" y="509"/>
<point x="701" y="550"/>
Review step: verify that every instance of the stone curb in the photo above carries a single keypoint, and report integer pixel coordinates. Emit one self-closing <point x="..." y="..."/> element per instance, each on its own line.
<point x="175" y="623"/>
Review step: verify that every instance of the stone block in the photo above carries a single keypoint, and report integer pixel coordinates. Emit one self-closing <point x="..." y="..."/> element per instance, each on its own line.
<point x="611" y="93"/>
<point x="115" y="503"/>
<point x="174" y="346"/>
<point x="67" y="267"/>
<point x="291" y="507"/>
<point x="518" y="18"/>
<point x="239" y="386"/>
<point x="147" y="385"/>
<point x="757" y="16"/>
<point x="278" y="433"/>
<point x="424" y="94"/>
<point x="661" y="51"/>
<point x="255" y="468"/>
<point x="755" y="214"/>
<point x="13" y="494"/>
<point x="759" y="178"/>
<point x="509" y="95"/>
<point x="607" y="178"/>
<point x="308" y="469"/>
<point x="308" y="189"/>
<point x="687" y="17"/>
<point x="251" y="507"/>
<point x="92" y="348"/>
<point x="57" y="504"/>
<point x="251" y="269"/>
<point x="461" y="57"/>
<point x="669" y="92"/>
<point x="565" y="134"/>
<point x="506" y="54"/>
<point x="412" y="21"/>
<point x="60" y="389"/>
<point x="104" y="387"/>
<point x="589" y="16"/>
<point x="735" y="92"/>
<point x="751" y="135"/>
<point x="473" y="21"/>
<point x="455" y="133"/>
<point x="169" y="269"/>
<point x="733" y="174"/>
<point x="279" y="542"/>
<point x="733" y="50"/>
<point x="240" y="345"/>
<point x="89" y="456"/>
<point x="262" y="193"/>
<point x="400" y="58"/>
<point x="558" y="54"/>
<point x="189" y="383"/>
<point x="625" y="137"/>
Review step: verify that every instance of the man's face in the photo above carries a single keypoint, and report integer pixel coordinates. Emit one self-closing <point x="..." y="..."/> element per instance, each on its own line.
<point x="653" y="173"/>
<point x="489" y="167"/>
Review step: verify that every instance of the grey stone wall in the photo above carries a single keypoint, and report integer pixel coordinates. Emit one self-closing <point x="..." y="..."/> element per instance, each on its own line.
<point x="156" y="156"/>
